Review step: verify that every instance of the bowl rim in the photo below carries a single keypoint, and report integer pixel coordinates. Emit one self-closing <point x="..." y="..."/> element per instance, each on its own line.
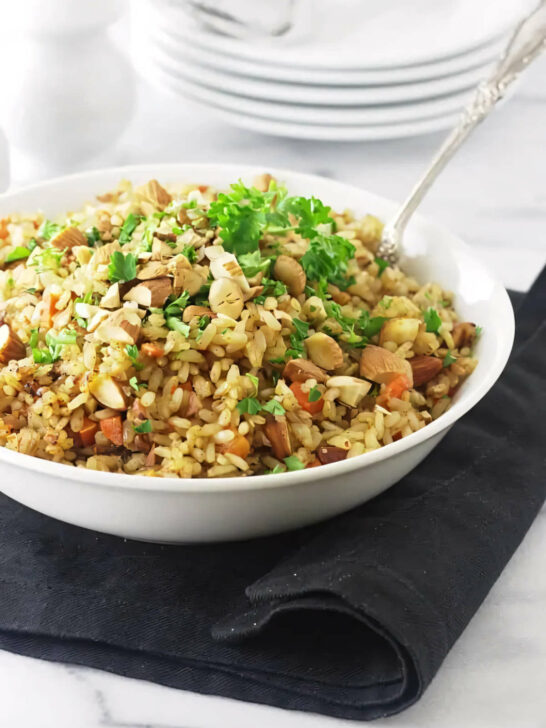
<point x="467" y="400"/>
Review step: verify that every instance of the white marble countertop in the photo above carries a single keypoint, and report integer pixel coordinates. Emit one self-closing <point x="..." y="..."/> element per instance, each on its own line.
<point x="493" y="195"/>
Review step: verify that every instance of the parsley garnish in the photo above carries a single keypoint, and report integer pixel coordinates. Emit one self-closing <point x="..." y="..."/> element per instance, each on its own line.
<point x="274" y="407"/>
<point x="135" y="384"/>
<point x="249" y="405"/>
<point x="93" y="236"/>
<point x="296" y="340"/>
<point x="122" y="267"/>
<point x="48" y="229"/>
<point x="175" y="324"/>
<point x="271" y="288"/>
<point x="381" y="264"/>
<point x="132" y="352"/>
<point x="177" y="305"/>
<point x="55" y="344"/>
<point x="47" y="259"/>
<point x="294" y="463"/>
<point x="448" y="359"/>
<point x="327" y="258"/>
<point x="479" y="330"/>
<point x="432" y="320"/>
<point x="276" y="470"/>
<point x="254" y="381"/>
<point x="310" y="211"/>
<point x="146" y="426"/>
<point x="314" y="395"/>
<point x="128" y="228"/>
<point x="18" y="253"/>
<point x="253" y="263"/>
<point x="190" y="253"/>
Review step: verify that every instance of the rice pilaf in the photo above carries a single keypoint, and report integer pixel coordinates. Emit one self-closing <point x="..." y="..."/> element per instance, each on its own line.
<point x="181" y="331"/>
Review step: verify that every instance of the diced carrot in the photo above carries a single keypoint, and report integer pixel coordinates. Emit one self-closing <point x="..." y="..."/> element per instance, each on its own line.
<point x="313" y="464"/>
<point x="303" y="399"/>
<point x="187" y="386"/>
<point x="239" y="446"/>
<point x="112" y="428"/>
<point x="397" y="386"/>
<point x="4" y="228"/>
<point x="153" y="350"/>
<point x="202" y="188"/>
<point x="49" y="301"/>
<point x="87" y="433"/>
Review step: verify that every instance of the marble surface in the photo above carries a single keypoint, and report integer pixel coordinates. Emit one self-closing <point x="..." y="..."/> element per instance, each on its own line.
<point x="494" y="195"/>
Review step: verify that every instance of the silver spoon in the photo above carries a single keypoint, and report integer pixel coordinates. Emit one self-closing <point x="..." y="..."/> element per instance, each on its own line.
<point x="527" y="42"/>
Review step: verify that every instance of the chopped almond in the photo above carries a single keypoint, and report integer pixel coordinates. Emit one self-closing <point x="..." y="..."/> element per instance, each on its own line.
<point x="122" y="325"/>
<point x="351" y="389"/>
<point x="150" y="294"/>
<point x="290" y="272"/>
<point x="463" y="334"/>
<point x="339" y="296"/>
<point x="262" y="181"/>
<point x="160" y="250"/>
<point x="150" y="458"/>
<point x="68" y="238"/>
<point x="191" y="312"/>
<point x="276" y="429"/>
<point x="101" y="255"/>
<point x="155" y="193"/>
<point x="331" y="454"/>
<point x="300" y="370"/>
<point x="11" y="346"/>
<point x="252" y="292"/>
<point x="425" y="368"/>
<point x="108" y="392"/>
<point x="382" y="366"/>
<point x="324" y="351"/>
<point x="153" y="269"/>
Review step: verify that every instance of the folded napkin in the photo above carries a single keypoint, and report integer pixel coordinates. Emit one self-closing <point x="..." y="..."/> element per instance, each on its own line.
<point x="350" y="618"/>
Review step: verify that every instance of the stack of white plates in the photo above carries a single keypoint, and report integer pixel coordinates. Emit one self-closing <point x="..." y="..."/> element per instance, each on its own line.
<point x="347" y="70"/>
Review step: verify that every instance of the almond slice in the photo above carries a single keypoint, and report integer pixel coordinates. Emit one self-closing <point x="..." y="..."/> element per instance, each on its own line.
<point x="68" y="238"/>
<point x="276" y="430"/>
<point x="300" y="370"/>
<point x="108" y="392"/>
<point x="150" y="294"/>
<point x="331" y="454"/>
<point x="324" y="351"/>
<point x="425" y="368"/>
<point x="11" y="346"/>
<point x="381" y="365"/>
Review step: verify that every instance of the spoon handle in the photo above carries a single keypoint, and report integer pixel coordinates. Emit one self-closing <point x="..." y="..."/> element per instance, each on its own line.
<point x="526" y="43"/>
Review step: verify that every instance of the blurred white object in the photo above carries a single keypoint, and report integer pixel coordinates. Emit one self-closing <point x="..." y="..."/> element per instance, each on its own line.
<point x="351" y="71"/>
<point x="71" y="93"/>
<point x="4" y="162"/>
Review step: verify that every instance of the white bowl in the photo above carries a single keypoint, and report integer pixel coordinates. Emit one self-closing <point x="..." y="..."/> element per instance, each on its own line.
<point x="199" y="509"/>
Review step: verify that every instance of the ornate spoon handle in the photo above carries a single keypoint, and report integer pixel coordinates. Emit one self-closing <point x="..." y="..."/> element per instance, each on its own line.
<point x="527" y="42"/>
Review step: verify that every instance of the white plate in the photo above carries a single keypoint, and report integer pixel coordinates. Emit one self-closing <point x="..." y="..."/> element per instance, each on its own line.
<point x="317" y="95"/>
<point x="201" y="509"/>
<point x="182" y="48"/>
<point x="362" y="35"/>
<point x="306" y="114"/>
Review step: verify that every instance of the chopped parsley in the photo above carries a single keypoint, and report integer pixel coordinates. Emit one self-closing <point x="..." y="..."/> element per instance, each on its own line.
<point x="310" y="212"/>
<point x="177" y="305"/>
<point x="249" y="405"/>
<point x="253" y="263"/>
<point x="135" y="384"/>
<point x="18" y="253"/>
<point x="432" y="320"/>
<point x="254" y="381"/>
<point x="93" y="236"/>
<point x="314" y="394"/>
<point x="33" y="340"/>
<point x="294" y="463"/>
<point x="190" y="253"/>
<point x="128" y="228"/>
<point x="385" y="302"/>
<point x="296" y="349"/>
<point x="274" y="407"/>
<point x="144" y="427"/>
<point x="448" y="359"/>
<point x="381" y="264"/>
<point x="175" y="324"/>
<point x="46" y="259"/>
<point x="132" y="352"/>
<point x="48" y="229"/>
<point x="276" y="470"/>
<point x="122" y="267"/>
<point x="479" y="330"/>
<point x="202" y="295"/>
<point x="327" y="258"/>
<point x="55" y="344"/>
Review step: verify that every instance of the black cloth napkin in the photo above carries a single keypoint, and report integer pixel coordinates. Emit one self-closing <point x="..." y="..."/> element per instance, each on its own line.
<point x="350" y="618"/>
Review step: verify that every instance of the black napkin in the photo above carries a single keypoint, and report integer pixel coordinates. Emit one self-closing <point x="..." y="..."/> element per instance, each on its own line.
<point x="350" y="618"/>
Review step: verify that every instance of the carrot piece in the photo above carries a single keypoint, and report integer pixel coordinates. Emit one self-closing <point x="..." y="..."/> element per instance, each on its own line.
<point x="187" y="386"/>
<point x="4" y="228"/>
<point x="153" y="350"/>
<point x="239" y="446"/>
<point x="397" y="386"/>
<point x="87" y="433"/>
<point x="314" y="463"/>
<point x="303" y="399"/>
<point x="49" y="310"/>
<point x="112" y="428"/>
